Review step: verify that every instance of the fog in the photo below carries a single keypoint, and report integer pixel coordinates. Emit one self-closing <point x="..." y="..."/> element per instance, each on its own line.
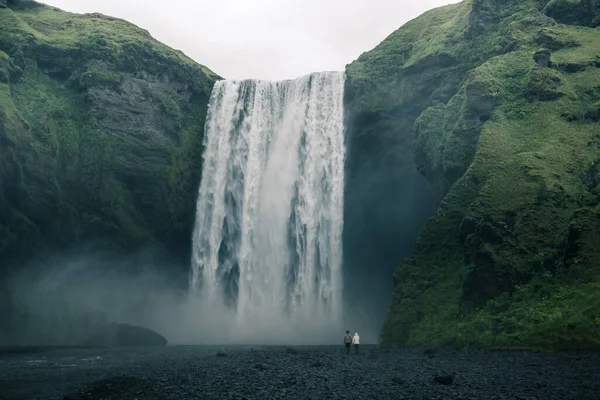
<point x="69" y="298"/>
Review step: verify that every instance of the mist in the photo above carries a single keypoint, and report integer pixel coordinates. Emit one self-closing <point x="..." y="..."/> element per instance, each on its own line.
<point x="71" y="297"/>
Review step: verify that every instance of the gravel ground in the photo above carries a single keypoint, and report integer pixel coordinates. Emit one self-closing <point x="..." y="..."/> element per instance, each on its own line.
<point x="198" y="372"/>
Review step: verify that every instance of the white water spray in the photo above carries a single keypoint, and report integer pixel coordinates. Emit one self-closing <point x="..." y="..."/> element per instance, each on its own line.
<point x="267" y="238"/>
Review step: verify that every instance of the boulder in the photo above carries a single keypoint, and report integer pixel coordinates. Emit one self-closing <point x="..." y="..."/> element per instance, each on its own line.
<point x="542" y="57"/>
<point x="444" y="379"/>
<point x="128" y="335"/>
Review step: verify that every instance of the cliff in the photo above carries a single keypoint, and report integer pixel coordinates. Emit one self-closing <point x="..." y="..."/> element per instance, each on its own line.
<point x="500" y="101"/>
<point x="101" y="129"/>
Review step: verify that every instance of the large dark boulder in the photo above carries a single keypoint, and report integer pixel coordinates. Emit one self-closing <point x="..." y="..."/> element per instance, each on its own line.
<point x="128" y="335"/>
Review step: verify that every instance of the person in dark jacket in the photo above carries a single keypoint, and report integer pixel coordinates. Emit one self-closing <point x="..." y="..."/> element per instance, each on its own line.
<point x="347" y="341"/>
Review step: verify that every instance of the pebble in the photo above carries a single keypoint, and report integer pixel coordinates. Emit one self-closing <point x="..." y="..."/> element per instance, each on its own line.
<point x="181" y="372"/>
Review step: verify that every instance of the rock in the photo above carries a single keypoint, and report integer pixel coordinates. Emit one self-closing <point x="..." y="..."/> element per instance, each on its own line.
<point x="467" y="227"/>
<point x="574" y="12"/>
<point x="594" y="112"/>
<point x="316" y="364"/>
<point x="263" y="366"/>
<point x="575" y="66"/>
<point x="221" y="353"/>
<point x="130" y="132"/>
<point x="481" y="99"/>
<point x="398" y="380"/>
<point x="291" y="351"/>
<point x="429" y="353"/>
<point x="444" y="379"/>
<point x="128" y="335"/>
<point x="542" y="57"/>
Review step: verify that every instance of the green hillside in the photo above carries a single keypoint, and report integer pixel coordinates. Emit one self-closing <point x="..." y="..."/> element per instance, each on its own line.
<point x="101" y="128"/>
<point x="502" y="103"/>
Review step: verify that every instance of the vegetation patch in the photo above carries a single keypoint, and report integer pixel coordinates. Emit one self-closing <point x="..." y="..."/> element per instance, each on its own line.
<point x="512" y="147"/>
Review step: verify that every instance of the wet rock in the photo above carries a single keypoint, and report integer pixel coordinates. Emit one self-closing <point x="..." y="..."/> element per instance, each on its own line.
<point x="398" y="380"/>
<point x="444" y="379"/>
<point x="128" y="335"/>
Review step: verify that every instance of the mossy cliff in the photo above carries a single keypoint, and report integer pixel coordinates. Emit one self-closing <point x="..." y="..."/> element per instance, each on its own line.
<point x="501" y="102"/>
<point x="101" y="129"/>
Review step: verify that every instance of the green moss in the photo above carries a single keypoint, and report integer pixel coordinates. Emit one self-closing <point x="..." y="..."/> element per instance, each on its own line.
<point x="102" y="129"/>
<point x="575" y="12"/>
<point x="509" y="258"/>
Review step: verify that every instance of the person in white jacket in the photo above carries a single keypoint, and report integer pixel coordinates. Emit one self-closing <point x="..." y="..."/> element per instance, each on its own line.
<point x="356" y="341"/>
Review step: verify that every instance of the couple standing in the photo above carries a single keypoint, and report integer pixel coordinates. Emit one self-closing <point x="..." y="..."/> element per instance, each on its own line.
<point x="351" y="340"/>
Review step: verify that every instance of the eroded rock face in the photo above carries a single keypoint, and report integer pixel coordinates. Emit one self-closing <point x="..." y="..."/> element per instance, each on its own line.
<point x="128" y="335"/>
<point x="574" y="12"/>
<point x="505" y="154"/>
<point x="102" y="133"/>
<point x="542" y="58"/>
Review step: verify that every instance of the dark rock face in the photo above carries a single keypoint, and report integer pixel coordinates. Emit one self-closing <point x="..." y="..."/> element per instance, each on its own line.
<point x="102" y="130"/>
<point x="386" y="203"/>
<point x="582" y="250"/>
<point x="504" y="148"/>
<point x="542" y="58"/>
<point x="444" y="379"/>
<point x="571" y="12"/>
<point x="127" y="335"/>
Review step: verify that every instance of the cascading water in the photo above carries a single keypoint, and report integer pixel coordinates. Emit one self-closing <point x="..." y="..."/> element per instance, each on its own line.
<point x="267" y="239"/>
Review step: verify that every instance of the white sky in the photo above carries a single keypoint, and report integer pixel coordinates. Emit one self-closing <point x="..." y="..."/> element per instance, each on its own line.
<point x="264" y="39"/>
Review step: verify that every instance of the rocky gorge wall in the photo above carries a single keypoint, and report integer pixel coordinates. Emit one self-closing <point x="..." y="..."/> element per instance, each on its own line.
<point x="501" y="102"/>
<point x="101" y="128"/>
<point x="472" y="147"/>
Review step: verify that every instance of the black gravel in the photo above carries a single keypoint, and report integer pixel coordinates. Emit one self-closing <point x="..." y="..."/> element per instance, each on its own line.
<point x="198" y="372"/>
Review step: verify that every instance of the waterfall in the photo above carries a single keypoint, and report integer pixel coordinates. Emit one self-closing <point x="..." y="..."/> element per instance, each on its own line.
<point x="267" y="237"/>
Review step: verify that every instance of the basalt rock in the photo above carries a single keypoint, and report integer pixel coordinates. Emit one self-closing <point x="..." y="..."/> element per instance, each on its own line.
<point x="128" y="335"/>
<point x="101" y="129"/>
<point x="508" y="153"/>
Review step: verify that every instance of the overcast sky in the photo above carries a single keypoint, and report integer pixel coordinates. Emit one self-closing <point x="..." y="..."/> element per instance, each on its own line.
<point x="264" y="39"/>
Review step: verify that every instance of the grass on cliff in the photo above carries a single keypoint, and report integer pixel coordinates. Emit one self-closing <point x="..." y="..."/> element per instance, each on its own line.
<point x="67" y="172"/>
<point x="527" y="178"/>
